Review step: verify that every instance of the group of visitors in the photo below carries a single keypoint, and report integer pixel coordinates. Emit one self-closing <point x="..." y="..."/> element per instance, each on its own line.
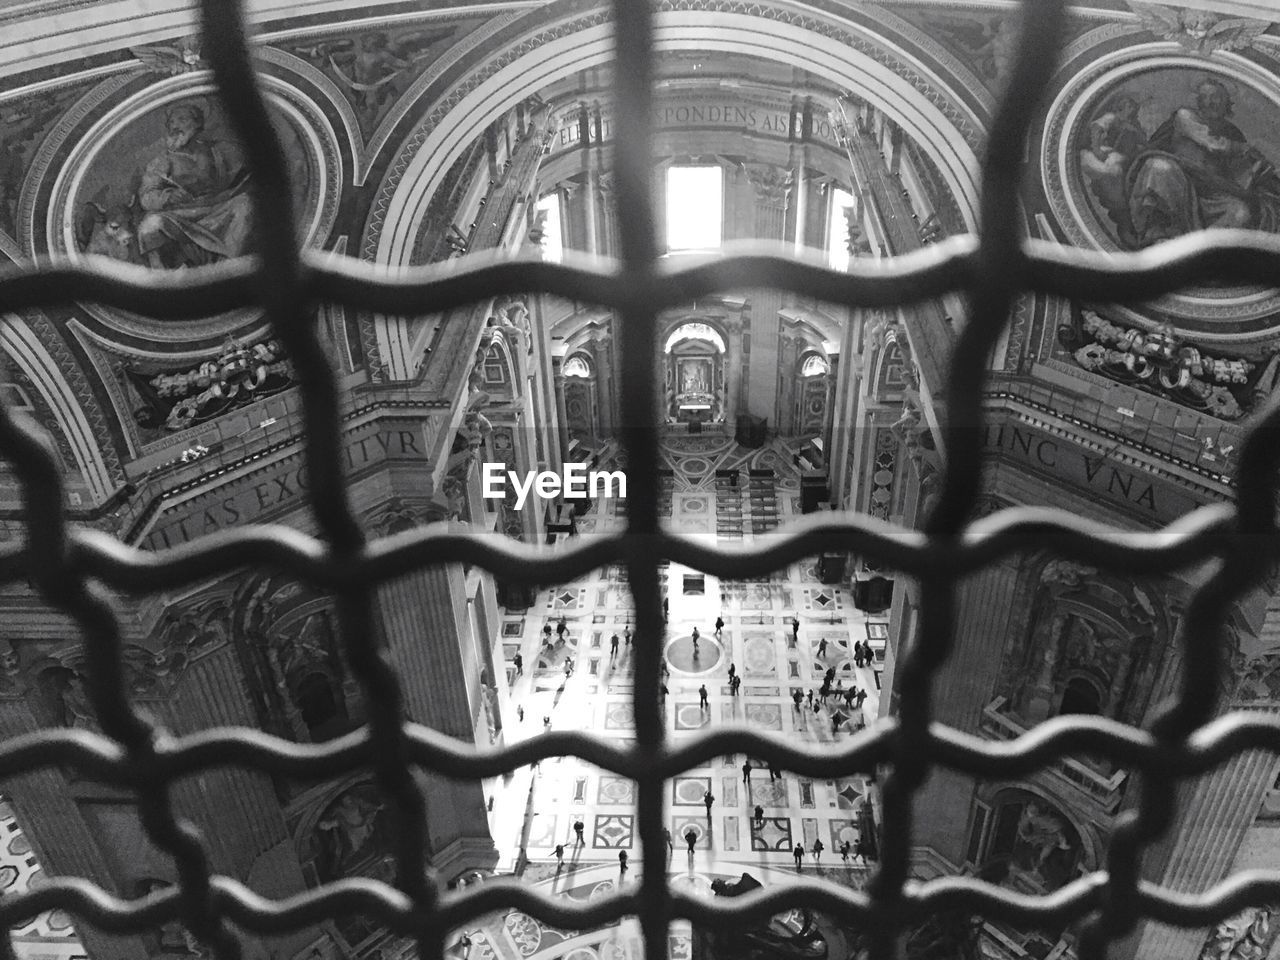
<point x="613" y="641"/>
<point x="847" y="849"/>
<point x="863" y="655"/>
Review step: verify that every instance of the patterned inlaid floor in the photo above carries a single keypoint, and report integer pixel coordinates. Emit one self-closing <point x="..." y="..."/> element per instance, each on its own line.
<point x="535" y="809"/>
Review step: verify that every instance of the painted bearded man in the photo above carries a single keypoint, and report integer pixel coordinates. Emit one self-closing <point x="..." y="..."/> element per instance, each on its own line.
<point x="194" y="197"/>
<point x="1199" y="171"/>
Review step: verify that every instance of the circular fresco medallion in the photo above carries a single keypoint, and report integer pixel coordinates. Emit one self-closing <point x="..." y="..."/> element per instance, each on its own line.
<point x="161" y="180"/>
<point x="1157" y="147"/>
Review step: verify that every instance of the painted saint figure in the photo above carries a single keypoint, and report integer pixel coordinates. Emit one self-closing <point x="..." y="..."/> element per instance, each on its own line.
<point x="1198" y="170"/>
<point x="1115" y="139"/>
<point x="194" y="197"/>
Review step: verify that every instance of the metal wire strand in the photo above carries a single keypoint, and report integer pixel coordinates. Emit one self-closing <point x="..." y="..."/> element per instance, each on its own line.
<point x="70" y="566"/>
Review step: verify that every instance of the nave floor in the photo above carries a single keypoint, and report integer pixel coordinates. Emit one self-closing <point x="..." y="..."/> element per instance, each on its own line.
<point x="534" y="810"/>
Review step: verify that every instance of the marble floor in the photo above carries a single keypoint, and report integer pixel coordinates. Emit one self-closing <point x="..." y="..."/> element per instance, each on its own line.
<point x="535" y="809"/>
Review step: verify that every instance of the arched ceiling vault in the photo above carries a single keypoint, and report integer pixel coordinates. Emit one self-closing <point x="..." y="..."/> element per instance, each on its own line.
<point x="927" y="109"/>
<point x="45" y="33"/>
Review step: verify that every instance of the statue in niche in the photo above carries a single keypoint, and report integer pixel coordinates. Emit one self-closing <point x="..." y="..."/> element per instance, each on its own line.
<point x="77" y="712"/>
<point x="1247" y="936"/>
<point x="307" y="644"/>
<point x="1257" y="938"/>
<point x="10" y="667"/>
<point x="1040" y="834"/>
<point x="1064" y="573"/>
<point x="1082" y="645"/>
<point x="347" y="828"/>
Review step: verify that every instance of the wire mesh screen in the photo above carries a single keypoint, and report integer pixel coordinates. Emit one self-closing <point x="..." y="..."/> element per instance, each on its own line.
<point x="73" y="568"/>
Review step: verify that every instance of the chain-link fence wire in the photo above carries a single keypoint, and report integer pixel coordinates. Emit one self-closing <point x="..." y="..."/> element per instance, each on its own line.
<point x="73" y="568"/>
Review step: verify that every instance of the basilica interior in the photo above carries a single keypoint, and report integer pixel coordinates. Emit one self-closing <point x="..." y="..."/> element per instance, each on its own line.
<point x="840" y="134"/>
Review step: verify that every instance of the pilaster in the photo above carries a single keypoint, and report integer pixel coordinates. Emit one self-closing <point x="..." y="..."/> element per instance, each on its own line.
<point x="429" y="640"/>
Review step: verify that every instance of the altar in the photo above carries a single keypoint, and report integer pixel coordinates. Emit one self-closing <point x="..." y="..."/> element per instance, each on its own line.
<point x="694" y="375"/>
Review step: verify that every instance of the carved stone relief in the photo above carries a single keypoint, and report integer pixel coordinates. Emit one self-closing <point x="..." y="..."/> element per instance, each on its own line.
<point x="1091" y="647"/>
<point x="1160" y="362"/>
<point x="1250" y="935"/>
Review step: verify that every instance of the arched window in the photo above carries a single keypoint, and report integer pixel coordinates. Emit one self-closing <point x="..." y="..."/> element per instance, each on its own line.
<point x="577" y="366"/>
<point x="1082" y="696"/>
<point x="694" y="331"/>
<point x="316" y="701"/>
<point x="813" y="366"/>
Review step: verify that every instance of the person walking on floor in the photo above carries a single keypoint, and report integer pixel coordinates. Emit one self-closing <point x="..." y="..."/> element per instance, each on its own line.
<point x="578" y="827"/>
<point x="626" y="635"/>
<point x="746" y="771"/>
<point x="613" y="645"/>
<point x="809" y="694"/>
<point x="844" y="851"/>
<point x="860" y="696"/>
<point x="759" y="812"/>
<point x="568" y="667"/>
<point x="519" y="662"/>
<point x="796" y="698"/>
<point x="817" y="850"/>
<point x="795" y="626"/>
<point x="691" y="838"/>
<point x="559" y="855"/>
<point x="719" y="625"/>
<point x="774" y="773"/>
<point x="735" y="684"/>
<point x="561" y="627"/>
<point x="546" y="634"/>
<point x="702" y="697"/>
<point x="622" y="861"/>
<point x="732" y="670"/>
<point x="707" y="801"/>
<point x="667" y="833"/>
<point x="835" y="725"/>
<point x="798" y="853"/>
<point x="822" y="647"/>
<point x="520" y="713"/>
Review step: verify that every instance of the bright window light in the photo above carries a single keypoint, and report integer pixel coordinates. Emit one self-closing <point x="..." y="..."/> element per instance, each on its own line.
<point x="695" y="208"/>
<point x="838" y="232"/>
<point x="552" y="231"/>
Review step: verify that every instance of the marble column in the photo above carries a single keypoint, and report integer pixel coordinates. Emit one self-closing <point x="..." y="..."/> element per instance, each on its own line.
<point x="829" y="416"/>
<point x="589" y="203"/>
<point x="1040" y="695"/>
<point x="557" y="367"/>
<point x="1215" y="811"/>
<point x="61" y="838"/>
<point x="732" y="376"/>
<point x="984" y="614"/>
<point x="771" y="185"/>
<point x="786" y="383"/>
<point x="427" y="626"/>
<point x="608" y="241"/>
<point x="606" y="385"/>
